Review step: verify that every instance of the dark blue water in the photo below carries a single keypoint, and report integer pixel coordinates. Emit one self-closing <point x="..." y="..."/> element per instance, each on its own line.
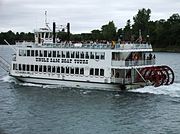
<point x="36" y="109"/>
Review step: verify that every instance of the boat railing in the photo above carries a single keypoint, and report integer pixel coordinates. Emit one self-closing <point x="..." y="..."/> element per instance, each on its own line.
<point x="123" y="63"/>
<point x="116" y="46"/>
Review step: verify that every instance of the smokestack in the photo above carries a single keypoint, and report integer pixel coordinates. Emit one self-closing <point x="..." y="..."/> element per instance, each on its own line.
<point x="68" y="31"/>
<point x="54" y="32"/>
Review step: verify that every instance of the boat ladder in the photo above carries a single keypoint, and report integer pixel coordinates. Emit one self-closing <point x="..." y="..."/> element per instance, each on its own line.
<point x="4" y="64"/>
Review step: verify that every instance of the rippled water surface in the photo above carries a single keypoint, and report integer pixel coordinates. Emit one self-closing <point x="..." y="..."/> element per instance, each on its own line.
<point x="37" y="109"/>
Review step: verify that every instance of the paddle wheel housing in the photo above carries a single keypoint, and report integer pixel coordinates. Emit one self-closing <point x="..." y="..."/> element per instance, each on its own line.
<point x="157" y="75"/>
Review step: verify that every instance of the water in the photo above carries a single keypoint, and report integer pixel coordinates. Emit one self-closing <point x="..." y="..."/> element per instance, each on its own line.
<point x="36" y="109"/>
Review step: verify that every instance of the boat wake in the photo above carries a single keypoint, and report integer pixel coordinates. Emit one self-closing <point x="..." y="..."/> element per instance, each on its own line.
<point x="171" y="90"/>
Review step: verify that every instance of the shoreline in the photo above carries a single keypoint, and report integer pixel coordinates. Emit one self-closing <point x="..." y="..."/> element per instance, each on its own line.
<point x="170" y="50"/>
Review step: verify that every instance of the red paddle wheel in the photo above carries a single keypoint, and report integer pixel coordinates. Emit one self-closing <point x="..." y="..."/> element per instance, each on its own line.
<point x="157" y="75"/>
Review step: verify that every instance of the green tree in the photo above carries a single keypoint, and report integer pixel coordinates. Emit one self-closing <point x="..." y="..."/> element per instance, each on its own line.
<point x="141" y="21"/>
<point x="127" y="31"/>
<point x="109" y="31"/>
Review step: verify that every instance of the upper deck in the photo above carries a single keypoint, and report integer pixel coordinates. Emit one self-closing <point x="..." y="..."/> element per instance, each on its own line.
<point x="97" y="46"/>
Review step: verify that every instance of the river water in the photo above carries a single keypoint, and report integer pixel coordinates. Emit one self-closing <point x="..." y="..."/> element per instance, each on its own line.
<point x="37" y="109"/>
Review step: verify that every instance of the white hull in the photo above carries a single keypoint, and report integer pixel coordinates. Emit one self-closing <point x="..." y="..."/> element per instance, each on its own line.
<point x="74" y="84"/>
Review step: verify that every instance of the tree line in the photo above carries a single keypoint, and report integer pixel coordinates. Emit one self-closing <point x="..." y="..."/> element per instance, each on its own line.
<point x="161" y="33"/>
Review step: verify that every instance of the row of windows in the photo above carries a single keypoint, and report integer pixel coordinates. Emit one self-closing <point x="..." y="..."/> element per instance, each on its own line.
<point x="62" y="54"/>
<point x="96" y="71"/>
<point x="57" y="69"/>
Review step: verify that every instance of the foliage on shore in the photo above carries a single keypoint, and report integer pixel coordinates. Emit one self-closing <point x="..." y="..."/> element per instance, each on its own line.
<point x="164" y="35"/>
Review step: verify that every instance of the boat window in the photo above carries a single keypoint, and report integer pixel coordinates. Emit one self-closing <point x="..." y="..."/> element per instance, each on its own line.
<point x="14" y="66"/>
<point x="67" y="70"/>
<point x="103" y="56"/>
<point x="92" y="55"/>
<point x="36" y="68"/>
<point x="23" y="67"/>
<point x="82" y="55"/>
<point x="82" y="71"/>
<point x="20" y="67"/>
<point x="76" y="70"/>
<point x="97" y="55"/>
<point x="32" y="67"/>
<point x="40" y="53"/>
<point x="54" y="53"/>
<point x="77" y="54"/>
<point x="45" y="53"/>
<point x="44" y="68"/>
<point x="62" y="70"/>
<point x="49" y="53"/>
<point x="40" y="68"/>
<point x="72" y="70"/>
<point x="91" y="71"/>
<point x="87" y="55"/>
<point x="28" y="52"/>
<point x="27" y="67"/>
<point x="58" y="54"/>
<point x="53" y="69"/>
<point x="32" y="53"/>
<point x="72" y="54"/>
<point x="58" y="69"/>
<point x="63" y="54"/>
<point x="20" y="52"/>
<point x="67" y="54"/>
<point x="49" y="69"/>
<point x="101" y="72"/>
<point x="96" y="71"/>
<point x="36" y="53"/>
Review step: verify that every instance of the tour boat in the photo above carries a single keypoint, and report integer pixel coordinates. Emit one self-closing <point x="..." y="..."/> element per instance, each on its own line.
<point x="89" y="65"/>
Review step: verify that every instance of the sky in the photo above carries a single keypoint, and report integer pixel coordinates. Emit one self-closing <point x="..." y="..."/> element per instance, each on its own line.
<point x="83" y="15"/>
